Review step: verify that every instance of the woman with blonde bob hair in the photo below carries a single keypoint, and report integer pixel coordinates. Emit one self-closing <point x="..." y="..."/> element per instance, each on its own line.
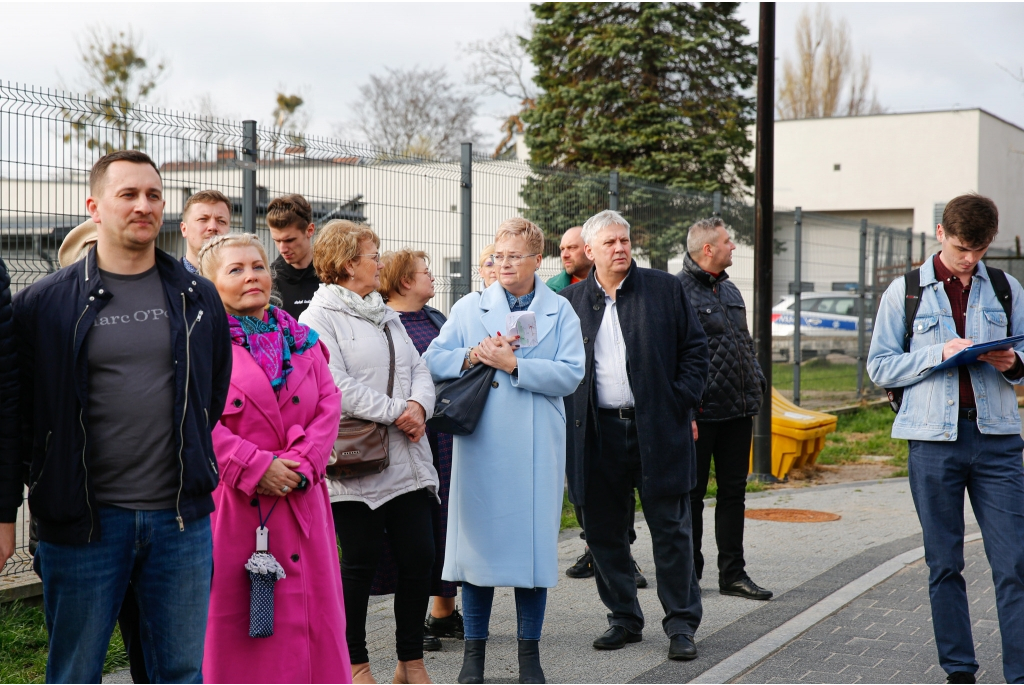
<point x="359" y="331"/>
<point x="508" y="475"/>
<point x="272" y="443"/>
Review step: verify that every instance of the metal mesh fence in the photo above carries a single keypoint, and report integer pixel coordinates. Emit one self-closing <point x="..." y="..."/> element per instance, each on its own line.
<point x="833" y="252"/>
<point x="49" y="141"/>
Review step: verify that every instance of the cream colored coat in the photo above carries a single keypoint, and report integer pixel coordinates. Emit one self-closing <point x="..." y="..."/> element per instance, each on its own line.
<point x="359" y="363"/>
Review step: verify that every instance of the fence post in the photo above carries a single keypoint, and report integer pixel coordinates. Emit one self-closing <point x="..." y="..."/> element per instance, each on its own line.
<point x="613" y="191"/>
<point x="924" y="245"/>
<point x="717" y="199"/>
<point x="798" y="225"/>
<point x="861" y="311"/>
<point x="249" y="157"/>
<point x="466" y="268"/>
<point x="910" y="249"/>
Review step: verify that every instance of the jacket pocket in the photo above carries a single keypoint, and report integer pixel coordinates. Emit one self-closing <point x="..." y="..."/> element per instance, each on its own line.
<point x="994" y="322"/>
<point x="738" y="316"/>
<point x="712" y="319"/>
<point x="927" y="331"/>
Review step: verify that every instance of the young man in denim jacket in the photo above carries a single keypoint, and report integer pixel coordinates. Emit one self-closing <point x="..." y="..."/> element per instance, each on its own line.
<point x="963" y="428"/>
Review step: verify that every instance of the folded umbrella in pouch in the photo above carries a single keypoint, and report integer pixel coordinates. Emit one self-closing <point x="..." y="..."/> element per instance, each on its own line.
<point x="264" y="570"/>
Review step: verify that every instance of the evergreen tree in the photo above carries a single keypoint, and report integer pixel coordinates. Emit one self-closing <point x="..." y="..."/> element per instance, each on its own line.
<point x="651" y="89"/>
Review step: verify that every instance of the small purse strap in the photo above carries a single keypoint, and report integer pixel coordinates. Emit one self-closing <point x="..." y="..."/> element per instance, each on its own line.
<point x="391" y="367"/>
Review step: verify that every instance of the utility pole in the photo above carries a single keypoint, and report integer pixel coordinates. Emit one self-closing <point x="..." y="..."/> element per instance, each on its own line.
<point x="764" y="230"/>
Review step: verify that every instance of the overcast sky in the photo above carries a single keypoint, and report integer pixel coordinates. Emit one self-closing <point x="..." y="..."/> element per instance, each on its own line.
<point x="925" y="55"/>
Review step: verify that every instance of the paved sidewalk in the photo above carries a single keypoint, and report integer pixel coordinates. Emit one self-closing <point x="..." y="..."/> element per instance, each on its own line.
<point x="801" y="563"/>
<point x="884" y="635"/>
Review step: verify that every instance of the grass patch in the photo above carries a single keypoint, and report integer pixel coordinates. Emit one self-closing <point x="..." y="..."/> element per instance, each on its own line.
<point x="568" y="513"/>
<point x="24" y="645"/>
<point x="817" y="374"/>
<point x="865" y="432"/>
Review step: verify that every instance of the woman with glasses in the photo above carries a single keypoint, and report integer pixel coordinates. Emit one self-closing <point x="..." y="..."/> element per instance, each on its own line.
<point x="359" y="330"/>
<point x="407" y="285"/>
<point x="507" y="477"/>
<point x="488" y="274"/>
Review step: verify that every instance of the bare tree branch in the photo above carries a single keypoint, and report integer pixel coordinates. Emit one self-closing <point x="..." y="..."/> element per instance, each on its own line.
<point x="813" y="85"/>
<point x="501" y="67"/>
<point x="417" y="112"/>
<point x="117" y="77"/>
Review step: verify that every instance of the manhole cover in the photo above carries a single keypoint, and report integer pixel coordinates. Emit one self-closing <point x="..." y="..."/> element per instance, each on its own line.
<point x="791" y="515"/>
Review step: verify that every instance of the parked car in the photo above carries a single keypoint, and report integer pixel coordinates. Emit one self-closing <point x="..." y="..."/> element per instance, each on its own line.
<point x="822" y="314"/>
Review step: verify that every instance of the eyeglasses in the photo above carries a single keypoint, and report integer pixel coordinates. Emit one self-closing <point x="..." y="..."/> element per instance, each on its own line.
<point x="375" y="255"/>
<point x="425" y="271"/>
<point x="513" y="259"/>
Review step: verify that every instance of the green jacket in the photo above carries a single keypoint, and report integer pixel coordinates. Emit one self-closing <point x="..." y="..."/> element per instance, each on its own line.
<point x="562" y="280"/>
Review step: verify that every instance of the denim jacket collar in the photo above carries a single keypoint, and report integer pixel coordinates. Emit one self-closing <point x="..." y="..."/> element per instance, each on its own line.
<point x="928" y="271"/>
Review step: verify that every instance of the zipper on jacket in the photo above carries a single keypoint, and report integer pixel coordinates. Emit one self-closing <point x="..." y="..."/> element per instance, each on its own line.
<point x="81" y="422"/>
<point x="184" y="409"/>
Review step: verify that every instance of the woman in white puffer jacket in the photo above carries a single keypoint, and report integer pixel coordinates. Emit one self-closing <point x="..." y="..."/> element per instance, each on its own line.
<point x="350" y="316"/>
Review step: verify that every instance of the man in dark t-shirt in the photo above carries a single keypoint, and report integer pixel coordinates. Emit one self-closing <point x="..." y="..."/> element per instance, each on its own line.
<point x="290" y="219"/>
<point x="125" y="362"/>
<point x="134" y="465"/>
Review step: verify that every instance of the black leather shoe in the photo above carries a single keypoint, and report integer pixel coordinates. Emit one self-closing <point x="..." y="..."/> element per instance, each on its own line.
<point x="617" y="637"/>
<point x="745" y="587"/>
<point x="473" y="662"/>
<point x="431" y="643"/>
<point x="681" y="648"/>
<point x="449" y="626"/>
<point x="641" y="582"/>
<point x="529" y="662"/>
<point x="584" y="566"/>
<point x="960" y="677"/>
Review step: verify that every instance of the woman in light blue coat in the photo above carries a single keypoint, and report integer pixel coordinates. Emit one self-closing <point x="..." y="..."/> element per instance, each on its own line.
<point x="507" y="477"/>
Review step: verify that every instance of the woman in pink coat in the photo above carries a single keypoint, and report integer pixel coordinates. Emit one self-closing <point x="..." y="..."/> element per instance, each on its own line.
<point x="272" y="445"/>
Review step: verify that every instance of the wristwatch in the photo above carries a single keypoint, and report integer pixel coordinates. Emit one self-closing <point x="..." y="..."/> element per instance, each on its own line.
<point x="469" y="357"/>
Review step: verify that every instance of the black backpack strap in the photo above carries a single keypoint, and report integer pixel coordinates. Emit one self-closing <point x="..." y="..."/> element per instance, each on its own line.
<point x="1001" y="286"/>
<point x="912" y="281"/>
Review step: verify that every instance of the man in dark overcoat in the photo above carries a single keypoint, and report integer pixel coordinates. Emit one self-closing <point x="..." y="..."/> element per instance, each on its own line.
<point x="647" y="362"/>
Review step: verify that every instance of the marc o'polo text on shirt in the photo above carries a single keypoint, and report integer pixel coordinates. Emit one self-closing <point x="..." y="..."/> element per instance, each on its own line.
<point x="141" y="316"/>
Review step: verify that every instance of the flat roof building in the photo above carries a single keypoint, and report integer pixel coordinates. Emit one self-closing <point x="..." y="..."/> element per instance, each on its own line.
<point x="899" y="170"/>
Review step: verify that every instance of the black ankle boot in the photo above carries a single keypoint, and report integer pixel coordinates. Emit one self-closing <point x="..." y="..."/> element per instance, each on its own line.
<point x="473" y="662"/>
<point x="529" y="662"/>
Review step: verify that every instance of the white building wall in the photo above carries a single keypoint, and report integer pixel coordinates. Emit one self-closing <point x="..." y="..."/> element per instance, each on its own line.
<point x="1001" y="175"/>
<point x="887" y="162"/>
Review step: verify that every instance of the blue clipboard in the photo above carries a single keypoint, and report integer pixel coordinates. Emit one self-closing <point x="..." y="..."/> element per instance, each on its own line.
<point x="970" y="355"/>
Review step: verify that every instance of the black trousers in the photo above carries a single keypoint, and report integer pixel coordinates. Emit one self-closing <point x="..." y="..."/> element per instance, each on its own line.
<point x="407" y="523"/>
<point x="728" y="443"/>
<point x="611" y="478"/>
<point x="632" y="520"/>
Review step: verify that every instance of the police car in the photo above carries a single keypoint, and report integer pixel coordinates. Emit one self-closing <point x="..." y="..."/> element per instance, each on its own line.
<point x="824" y="314"/>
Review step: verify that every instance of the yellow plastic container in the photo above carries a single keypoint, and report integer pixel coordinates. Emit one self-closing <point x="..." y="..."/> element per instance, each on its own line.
<point x="798" y="435"/>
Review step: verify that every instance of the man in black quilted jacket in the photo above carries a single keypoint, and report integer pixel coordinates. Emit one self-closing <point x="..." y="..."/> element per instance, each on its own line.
<point x="733" y="395"/>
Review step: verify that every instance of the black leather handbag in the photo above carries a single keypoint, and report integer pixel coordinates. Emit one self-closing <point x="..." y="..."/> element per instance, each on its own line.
<point x="460" y="401"/>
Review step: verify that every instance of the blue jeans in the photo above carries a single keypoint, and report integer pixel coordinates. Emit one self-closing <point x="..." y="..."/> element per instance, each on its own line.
<point x="83" y="585"/>
<point x="991" y="469"/>
<point x="476" y="611"/>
